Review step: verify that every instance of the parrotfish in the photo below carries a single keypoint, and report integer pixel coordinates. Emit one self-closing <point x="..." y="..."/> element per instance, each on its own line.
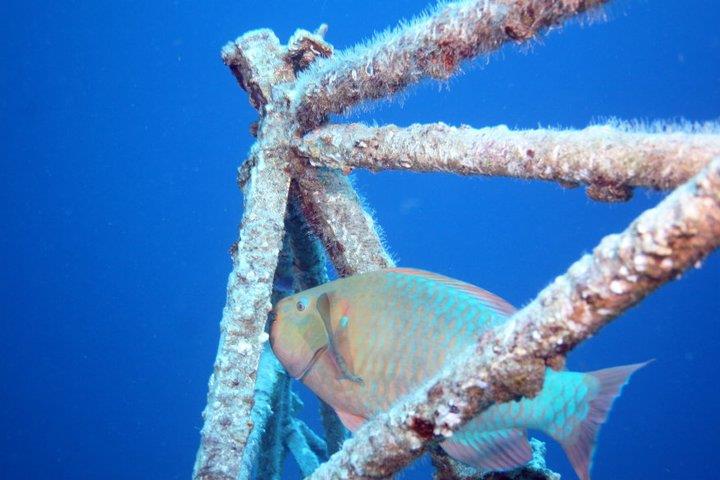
<point x="362" y="342"/>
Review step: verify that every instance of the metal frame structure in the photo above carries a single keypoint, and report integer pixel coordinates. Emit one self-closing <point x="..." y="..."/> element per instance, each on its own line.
<point x="299" y="206"/>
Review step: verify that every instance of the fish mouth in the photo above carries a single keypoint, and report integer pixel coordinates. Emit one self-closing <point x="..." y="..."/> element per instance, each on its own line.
<point x="312" y="362"/>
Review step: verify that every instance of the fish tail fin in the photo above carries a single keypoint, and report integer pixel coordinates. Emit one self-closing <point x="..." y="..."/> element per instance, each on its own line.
<point x="579" y="442"/>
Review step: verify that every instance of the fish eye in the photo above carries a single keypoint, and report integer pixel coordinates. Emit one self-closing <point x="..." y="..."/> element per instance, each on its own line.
<point x="301" y="304"/>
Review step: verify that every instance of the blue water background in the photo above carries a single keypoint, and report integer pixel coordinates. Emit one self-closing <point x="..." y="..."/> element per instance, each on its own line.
<point x="121" y="131"/>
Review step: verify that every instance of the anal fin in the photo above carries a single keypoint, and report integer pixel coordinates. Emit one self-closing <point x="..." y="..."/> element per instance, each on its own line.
<point x="351" y="421"/>
<point x="494" y="450"/>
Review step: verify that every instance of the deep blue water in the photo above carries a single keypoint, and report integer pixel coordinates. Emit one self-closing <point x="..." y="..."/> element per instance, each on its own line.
<point x="121" y="131"/>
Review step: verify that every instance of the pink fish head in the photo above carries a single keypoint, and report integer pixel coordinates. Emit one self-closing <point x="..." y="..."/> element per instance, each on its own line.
<point x="297" y="333"/>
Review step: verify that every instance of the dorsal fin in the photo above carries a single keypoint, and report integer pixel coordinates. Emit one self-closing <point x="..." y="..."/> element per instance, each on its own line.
<point x="493" y="301"/>
<point x="324" y="308"/>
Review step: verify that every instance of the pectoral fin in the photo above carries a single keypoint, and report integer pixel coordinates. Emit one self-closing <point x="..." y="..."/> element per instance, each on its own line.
<point x="324" y="306"/>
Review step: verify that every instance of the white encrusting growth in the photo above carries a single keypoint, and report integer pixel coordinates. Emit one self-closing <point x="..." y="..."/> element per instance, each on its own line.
<point x="230" y="397"/>
<point x="227" y="417"/>
<point x="350" y="235"/>
<point x="609" y="159"/>
<point x="433" y="45"/>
